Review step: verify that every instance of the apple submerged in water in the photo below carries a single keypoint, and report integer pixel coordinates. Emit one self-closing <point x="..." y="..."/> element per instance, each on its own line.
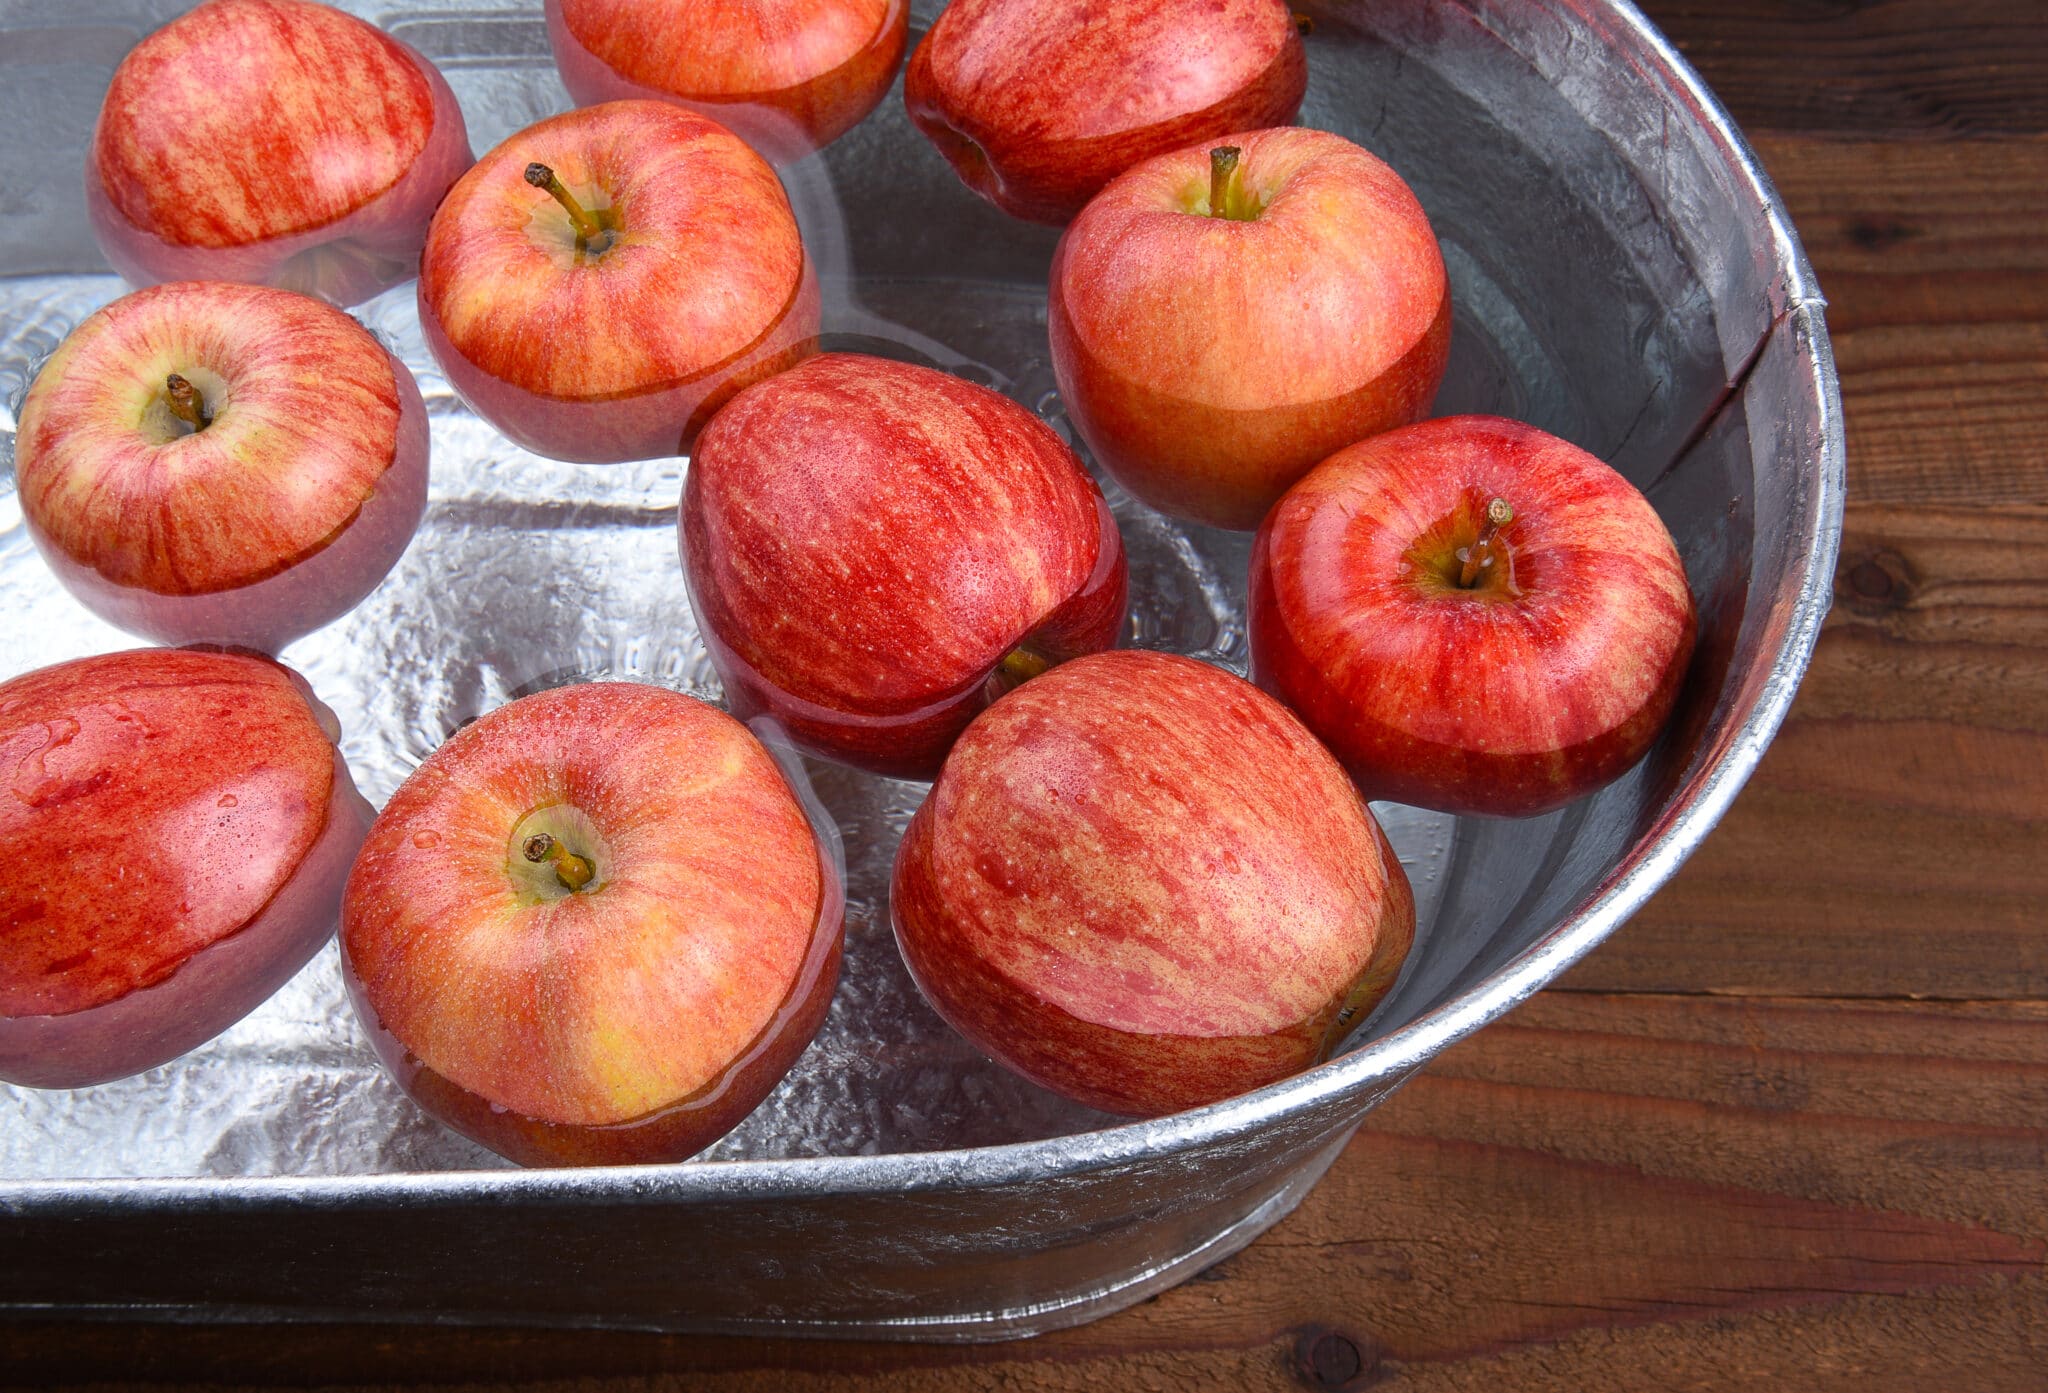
<point x="1474" y="615"/>
<point x="220" y="463"/>
<point x="594" y="927"/>
<point x="600" y="283"/>
<point x="786" y="76"/>
<point x="178" y="826"/>
<point x="875" y="550"/>
<point x="273" y="141"/>
<point x="1038" y="103"/>
<point x="1224" y="319"/>
<point x="1141" y="883"/>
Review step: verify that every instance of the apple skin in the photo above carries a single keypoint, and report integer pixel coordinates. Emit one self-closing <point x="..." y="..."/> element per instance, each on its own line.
<point x="1496" y="701"/>
<point x="626" y="354"/>
<point x="1140" y="882"/>
<point x="1039" y="103"/>
<point x="272" y="141"/>
<point x="640" y="1018"/>
<point x="1210" y="362"/>
<point x="277" y="518"/>
<point x="787" y="76"/>
<point x="179" y="831"/>
<point x="866" y="540"/>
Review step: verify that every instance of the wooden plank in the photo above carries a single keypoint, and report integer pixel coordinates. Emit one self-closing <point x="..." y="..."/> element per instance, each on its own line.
<point x="1958" y="600"/>
<point x="1936" y="271"/>
<point x="1935" y="1110"/>
<point x="1917" y="232"/>
<point x="1946" y="413"/>
<point x="1462" y="1256"/>
<point x="1925" y="68"/>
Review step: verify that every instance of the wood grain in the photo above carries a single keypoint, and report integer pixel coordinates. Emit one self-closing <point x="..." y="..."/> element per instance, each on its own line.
<point x="1924" y="68"/>
<point x="1935" y="266"/>
<point x="1913" y="233"/>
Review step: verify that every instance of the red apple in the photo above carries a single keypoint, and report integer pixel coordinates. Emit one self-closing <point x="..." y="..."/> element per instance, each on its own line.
<point x="286" y="506"/>
<point x="1220" y="324"/>
<point x="1039" y="103"/>
<point x="1474" y="615"/>
<point x="786" y="76"/>
<point x="594" y="927"/>
<point x="875" y="550"/>
<point x="1140" y="882"/>
<point x="273" y="141"/>
<point x="600" y="283"/>
<point x="177" y="834"/>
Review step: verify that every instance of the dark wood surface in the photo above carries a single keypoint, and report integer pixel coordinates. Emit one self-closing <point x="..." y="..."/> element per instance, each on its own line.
<point x="1789" y="1128"/>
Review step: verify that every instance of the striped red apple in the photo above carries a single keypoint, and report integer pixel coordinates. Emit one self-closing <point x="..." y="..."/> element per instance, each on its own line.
<point x="597" y="285"/>
<point x="272" y="141"/>
<point x="875" y="550"/>
<point x="596" y="926"/>
<point x="178" y="826"/>
<point x="1140" y="882"/>
<point x="787" y="76"/>
<point x="1224" y="319"/>
<point x="1474" y="615"/>
<point x="1039" y="103"/>
<point x="221" y="463"/>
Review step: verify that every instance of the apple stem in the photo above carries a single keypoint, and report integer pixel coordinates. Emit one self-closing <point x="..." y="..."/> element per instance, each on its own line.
<point x="1226" y="183"/>
<point x="1479" y="555"/>
<point x="186" y="403"/>
<point x="572" y="870"/>
<point x="1020" y="665"/>
<point x="588" y="228"/>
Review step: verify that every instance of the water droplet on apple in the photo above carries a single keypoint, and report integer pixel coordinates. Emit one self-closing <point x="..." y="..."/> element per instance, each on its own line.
<point x="426" y="841"/>
<point x="226" y="800"/>
<point x="35" y="783"/>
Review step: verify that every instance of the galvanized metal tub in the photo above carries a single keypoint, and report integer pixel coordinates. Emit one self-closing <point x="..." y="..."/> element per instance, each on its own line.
<point x="1624" y="276"/>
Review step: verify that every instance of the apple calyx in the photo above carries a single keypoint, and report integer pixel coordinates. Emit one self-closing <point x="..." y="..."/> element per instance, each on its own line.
<point x="186" y="404"/>
<point x="592" y="236"/>
<point x="572" y="870"/>
<point x="1479" y="555"/>
<point x="1227" y="195"/>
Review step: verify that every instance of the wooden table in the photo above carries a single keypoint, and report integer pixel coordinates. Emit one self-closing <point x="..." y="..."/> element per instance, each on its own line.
<point x="1789" y="1128"/>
